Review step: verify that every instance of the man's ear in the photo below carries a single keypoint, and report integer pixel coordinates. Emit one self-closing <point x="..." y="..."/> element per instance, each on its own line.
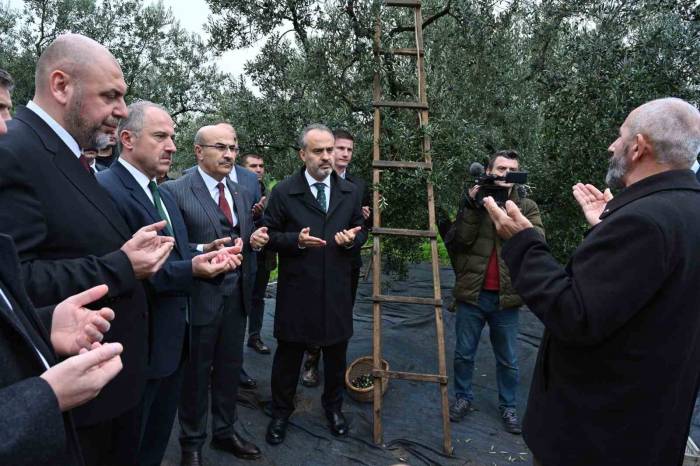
<point x="61" y="86"/>
<point x="302" y="155"/>
<point x="126" y="138"/>
<point x="642" y="148"/>
<point x="197" y="153"/>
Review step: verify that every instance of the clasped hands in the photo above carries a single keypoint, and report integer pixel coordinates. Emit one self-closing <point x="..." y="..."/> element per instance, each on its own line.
<point x="77" y="330"/>
<point x="344" y="238"/>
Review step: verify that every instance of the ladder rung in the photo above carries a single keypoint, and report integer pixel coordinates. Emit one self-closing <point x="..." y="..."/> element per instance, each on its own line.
<point x="398" y="104"/>
<point x="410" y="376"/>
<point x="404" y="232"/>
<point x="406" y="3"/>
<point x="404" y="51"/>
<point x="383" y="298"/>
<point x="401" y="164"/>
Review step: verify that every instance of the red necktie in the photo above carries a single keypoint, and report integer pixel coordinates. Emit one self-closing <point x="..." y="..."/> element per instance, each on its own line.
<point x="223" y="204"/>
<point x="86" y="164"/>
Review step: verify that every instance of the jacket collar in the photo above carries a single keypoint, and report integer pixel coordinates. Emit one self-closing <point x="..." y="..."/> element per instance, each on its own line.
<point x="67" y="163"/>
<point x="300" y="187"/>
<point x="665" y="181"/>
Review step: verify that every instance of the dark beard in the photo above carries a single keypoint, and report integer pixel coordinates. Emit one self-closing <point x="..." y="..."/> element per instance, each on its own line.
<point x="617" y="169"/>
<point x="87" y="136"/>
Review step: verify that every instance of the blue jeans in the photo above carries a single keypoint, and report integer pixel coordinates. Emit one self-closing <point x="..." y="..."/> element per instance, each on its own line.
<point x="503" y="329"/>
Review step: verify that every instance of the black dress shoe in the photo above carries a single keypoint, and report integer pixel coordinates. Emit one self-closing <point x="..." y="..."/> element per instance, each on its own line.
<point x="257" y="344"/>
<point x="337" y="423"/>
<point x="276" y="430"/>
<point x="246" y="381"/>
<point x="191" y="458"/>
<point x="238" y="446"/>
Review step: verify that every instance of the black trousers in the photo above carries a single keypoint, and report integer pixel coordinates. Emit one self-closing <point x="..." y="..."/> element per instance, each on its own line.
<point x="286" y="366"/>
<point x="354" y="280"/>
<point x="257" y="311"/>
<point x="159" y="404"/>
<point x="114" y="442"/>
<point x="216" y="356"/>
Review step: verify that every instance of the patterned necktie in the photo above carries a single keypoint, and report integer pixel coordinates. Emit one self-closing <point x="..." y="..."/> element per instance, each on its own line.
<point x="86" y="164"/>
<point x="223" y="204"/>
<point x="159" y="206"/>
<point x="321" y="196"/>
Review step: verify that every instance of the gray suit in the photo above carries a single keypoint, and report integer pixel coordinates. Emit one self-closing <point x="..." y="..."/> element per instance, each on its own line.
<point x="219" y="308"/>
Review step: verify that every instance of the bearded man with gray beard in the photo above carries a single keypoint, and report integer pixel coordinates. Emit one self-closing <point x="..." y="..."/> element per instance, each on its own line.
<point x="617" y="371"/>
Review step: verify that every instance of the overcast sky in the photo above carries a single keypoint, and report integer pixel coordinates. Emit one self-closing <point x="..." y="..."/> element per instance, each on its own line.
<point x="192" y="14"/>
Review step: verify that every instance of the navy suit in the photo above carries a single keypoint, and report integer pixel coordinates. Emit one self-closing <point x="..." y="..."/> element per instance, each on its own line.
<point x="168" y="292"/>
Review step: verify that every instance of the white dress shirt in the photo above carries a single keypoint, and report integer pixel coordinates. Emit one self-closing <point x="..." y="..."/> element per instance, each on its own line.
<point x="7" y="302"/>
<point x="311" y="180"/>
<point x="142" y="180"/>
<point x="58" y="129"/>
<point x="695" y="166"/>
<point x="213" y="189"/>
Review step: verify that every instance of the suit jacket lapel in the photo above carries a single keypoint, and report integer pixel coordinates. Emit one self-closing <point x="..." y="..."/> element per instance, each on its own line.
<point x="172" y="207"/>
<point x="9" y="271"/>
<point x="339" y="190"/>
<point x="67" y="163"/>
<point x="199" y="188"/>
<point x="301" y="189"/>
<point x="238" y="205"/>
<point x="135" y="190"/>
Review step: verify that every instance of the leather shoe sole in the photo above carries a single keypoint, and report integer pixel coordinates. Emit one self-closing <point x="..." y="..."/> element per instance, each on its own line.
<point x="227" y="447"/>
<point x="259" y="346"/>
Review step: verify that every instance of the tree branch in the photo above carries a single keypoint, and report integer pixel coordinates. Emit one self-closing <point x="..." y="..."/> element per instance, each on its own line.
<point x="426" y="22"/>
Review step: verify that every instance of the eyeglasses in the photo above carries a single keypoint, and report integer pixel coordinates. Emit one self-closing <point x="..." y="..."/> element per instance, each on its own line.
<point x="222" y="147"/>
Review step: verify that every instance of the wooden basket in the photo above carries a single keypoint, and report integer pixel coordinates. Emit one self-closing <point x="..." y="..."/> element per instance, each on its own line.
<point x="357" y="368"/>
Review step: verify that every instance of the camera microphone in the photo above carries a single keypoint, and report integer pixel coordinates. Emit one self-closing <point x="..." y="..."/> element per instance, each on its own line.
<point x="476" y="169"/>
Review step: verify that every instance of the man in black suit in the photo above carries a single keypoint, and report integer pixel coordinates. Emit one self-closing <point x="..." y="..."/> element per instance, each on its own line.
<point x="214" y="207"/>
<point x="68" y="232"/>
<point x="147" y="147"/>
<point x="626" y="304"/>
<point x="36" y="394"/>
<point x="342" y="156"/>
<point x="315" y="225"/>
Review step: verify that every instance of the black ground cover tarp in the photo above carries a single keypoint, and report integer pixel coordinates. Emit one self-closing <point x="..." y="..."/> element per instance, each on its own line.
<point x="412" y="420"/>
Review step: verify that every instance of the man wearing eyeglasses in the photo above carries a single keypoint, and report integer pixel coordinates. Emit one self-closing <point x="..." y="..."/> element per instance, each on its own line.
<point x="216" y="210"/>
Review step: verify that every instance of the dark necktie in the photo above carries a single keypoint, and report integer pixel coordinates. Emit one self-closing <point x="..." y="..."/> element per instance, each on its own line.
<point x="86" y="164"/>
<point x="321" y="196"/>
<point x="158" y="202"/>
<point x="223" y="204"/>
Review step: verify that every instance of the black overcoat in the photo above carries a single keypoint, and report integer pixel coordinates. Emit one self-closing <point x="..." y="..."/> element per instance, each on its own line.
<point x="314" y="302"/>
<point x="618" y="368"/>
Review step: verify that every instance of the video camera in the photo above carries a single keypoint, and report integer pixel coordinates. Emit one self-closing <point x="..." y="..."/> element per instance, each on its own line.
<point x="488" y="187"/>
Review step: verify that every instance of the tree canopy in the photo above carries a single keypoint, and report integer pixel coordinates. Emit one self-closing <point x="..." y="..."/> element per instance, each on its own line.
<point x="553" y="79"/>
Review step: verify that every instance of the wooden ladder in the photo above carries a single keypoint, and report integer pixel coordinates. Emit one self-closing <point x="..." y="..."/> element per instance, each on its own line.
<point x="421" y="106"/>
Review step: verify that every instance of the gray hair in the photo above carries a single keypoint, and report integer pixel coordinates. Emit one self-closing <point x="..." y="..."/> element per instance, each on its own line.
<point x="302" y="136"/>
<point x="673" y="127"/>
<point x="134" y="120"/>
<point x="6" y="80"/>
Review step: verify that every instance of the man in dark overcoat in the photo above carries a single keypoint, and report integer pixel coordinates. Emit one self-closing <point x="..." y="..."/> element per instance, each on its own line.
<point x="618" y="369"/>
<point x="314" y="221"/>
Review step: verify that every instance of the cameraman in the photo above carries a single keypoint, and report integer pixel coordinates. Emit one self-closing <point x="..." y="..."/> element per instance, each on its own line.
<point x="484" y="293"/>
